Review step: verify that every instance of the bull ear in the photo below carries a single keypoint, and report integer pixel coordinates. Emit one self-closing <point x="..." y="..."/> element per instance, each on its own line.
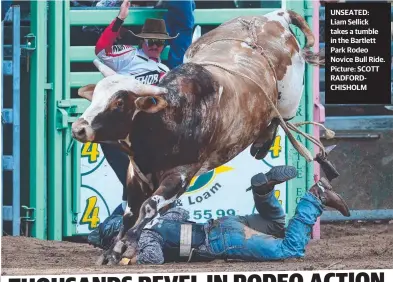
<point x="151" y="104"/>
<point x="87" y="91"/>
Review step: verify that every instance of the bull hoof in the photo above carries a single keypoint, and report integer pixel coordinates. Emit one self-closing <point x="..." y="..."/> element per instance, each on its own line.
<point x="121" y="252"/>
<point x="101" y="260"/>
<point x="260" y="153"/>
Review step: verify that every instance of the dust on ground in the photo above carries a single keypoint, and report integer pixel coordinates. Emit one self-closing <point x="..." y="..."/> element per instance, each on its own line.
<point x="342" y="246"/>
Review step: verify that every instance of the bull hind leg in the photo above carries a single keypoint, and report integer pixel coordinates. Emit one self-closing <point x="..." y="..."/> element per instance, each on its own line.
<point x="262" y="145"/>
<point x="291" y="87"/>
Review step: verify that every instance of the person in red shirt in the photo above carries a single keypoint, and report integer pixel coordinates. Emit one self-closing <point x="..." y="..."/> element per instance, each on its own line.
<point x="144" y="64"/>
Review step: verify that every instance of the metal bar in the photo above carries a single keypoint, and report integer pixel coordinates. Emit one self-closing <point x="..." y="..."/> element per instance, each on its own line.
<point x="365" y="215"/>
<point x="76" y="180"/>
<point x="370" y="123"/>
<point x="55" y="76"/>
<point x="7" y="116"/>
<point x="322" y="72"/>
<point x="38" y="195"/>
<point x="8" y="51"/>
<point x="309" y="97"/>
<point x="1" y="128"/>
<point x="16" y="121"/>
<point x="7" y="67"/>
<point x="86" y="53"/>
<point x="81" y="17"/>
<point x="297" y="187"/>
<point x="7" y="213"/>
<point x="79" y="79"/>
<point x="354" y="136"/>
<point x="317" y="115"/>
<point x="8" y="163"/>
<point x="68" y="227"/>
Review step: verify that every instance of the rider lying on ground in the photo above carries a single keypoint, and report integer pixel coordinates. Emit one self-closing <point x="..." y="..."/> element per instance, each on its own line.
<point x="256" y="237"/>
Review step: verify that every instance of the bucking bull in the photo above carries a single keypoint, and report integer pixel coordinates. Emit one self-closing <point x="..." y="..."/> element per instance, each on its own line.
<point x="201" y="115"/>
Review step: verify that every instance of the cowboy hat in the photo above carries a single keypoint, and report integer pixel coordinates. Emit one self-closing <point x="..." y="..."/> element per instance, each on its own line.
<point x="154" y="29"/>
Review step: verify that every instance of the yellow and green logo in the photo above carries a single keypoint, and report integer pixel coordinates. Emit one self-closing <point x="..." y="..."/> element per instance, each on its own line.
<point x="204" y="180"/>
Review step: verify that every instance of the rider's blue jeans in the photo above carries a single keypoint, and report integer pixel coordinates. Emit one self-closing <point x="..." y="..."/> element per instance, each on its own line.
<point x="231" y="239"/>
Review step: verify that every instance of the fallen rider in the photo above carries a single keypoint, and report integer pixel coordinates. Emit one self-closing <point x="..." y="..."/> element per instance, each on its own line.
<point x="256" y="237"/>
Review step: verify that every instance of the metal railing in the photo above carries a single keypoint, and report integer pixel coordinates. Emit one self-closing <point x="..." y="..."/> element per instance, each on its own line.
<point x="12" y="116"/>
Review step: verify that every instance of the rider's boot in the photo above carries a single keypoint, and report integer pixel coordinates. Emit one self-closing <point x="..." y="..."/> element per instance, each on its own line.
<point x="263" y="183"/>
<point x="324" y="192"/>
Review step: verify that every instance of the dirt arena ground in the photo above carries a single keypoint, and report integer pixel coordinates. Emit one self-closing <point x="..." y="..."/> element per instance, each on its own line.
<point x="343" y="246"/>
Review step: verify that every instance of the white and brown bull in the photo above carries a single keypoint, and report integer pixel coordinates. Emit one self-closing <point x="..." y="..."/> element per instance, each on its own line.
<point x="201" y="115"/>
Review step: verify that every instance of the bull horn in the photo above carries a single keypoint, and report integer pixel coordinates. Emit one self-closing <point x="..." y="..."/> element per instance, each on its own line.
<point x="105" y="70"/>
<point x="144" y="89"/>
<point x="148" y="90"/>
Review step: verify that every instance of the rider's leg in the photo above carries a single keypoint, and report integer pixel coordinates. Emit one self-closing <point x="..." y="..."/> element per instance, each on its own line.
<point x="235" y="240"/>
<point x="270" y="218"/>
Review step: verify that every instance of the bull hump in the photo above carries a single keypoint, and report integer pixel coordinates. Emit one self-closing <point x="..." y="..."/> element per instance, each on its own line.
<point x="270" y="34"/>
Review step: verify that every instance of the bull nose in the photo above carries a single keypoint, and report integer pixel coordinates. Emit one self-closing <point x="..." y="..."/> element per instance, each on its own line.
<point x="79" y="130"/>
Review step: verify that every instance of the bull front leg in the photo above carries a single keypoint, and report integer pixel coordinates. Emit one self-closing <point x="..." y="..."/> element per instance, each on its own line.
<point x="137" y="193"/>
<point x="173" y="184"/>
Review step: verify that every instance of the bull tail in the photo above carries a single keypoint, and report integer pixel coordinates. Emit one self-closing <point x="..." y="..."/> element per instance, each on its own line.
<point x="313" y="58"/>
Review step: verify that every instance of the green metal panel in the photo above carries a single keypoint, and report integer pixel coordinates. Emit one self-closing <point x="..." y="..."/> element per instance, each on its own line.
<point x="55" y="195"/>
<point x="137" y="17"/>
<point x="258" y="4"/>
<point x="78" y="79"/>
<point x="308" y="14"/>
<point x="38" y="191"/>
<point x="297" y="187"/>
<point x="87" y="54"/>
<point x="68" y="141"/>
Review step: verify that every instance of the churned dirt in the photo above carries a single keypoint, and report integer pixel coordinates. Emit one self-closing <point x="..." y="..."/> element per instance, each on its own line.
<point x="342" y="246"/>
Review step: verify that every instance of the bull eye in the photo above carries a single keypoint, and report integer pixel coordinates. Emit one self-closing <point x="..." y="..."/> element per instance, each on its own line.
<point x="119" y="103"/>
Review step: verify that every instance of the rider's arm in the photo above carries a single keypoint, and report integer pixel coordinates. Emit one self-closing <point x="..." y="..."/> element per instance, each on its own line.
<point x="108" y="37"/>
<point x="117" y="57"/>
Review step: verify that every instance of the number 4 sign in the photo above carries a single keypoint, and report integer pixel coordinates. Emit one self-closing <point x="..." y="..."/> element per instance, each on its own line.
<point x="90" y="151"/>
<point x="90" y="214"/>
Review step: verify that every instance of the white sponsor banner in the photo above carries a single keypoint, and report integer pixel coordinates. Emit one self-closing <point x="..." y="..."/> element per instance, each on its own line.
<point x="222" y="191"/>
<point x="101" y="191"/>
<point x="360" y="275"/>
<point x="217" y="193"/>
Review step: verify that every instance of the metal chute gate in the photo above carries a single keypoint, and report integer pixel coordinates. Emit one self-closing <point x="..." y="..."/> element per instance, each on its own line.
<point x="72" y="188"/>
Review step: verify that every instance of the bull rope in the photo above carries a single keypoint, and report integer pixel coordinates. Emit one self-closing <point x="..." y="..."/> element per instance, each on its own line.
<point x="286" y="125"/>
